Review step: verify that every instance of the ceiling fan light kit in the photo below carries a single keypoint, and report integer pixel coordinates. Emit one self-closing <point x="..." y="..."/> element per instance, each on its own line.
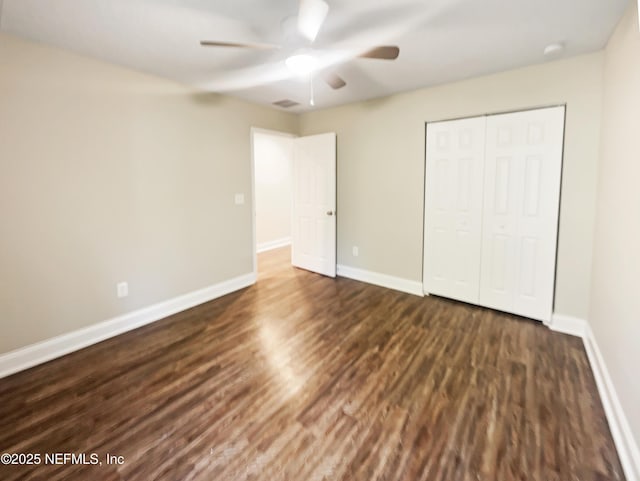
<point x="302" y="64"/>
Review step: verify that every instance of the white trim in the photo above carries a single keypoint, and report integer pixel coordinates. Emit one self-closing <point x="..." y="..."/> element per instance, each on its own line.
<point x="29" y="356"/>
<point x="384" y="280"/>
<point x="254" y="236"/>
<point x="260" y="130"/>
<point x="568" y="325"/>
<point x="274" y="244"/>
<point x="618" y="424"/>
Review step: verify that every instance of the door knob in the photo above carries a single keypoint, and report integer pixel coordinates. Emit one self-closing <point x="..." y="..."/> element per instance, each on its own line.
<point x="329" y="212"/>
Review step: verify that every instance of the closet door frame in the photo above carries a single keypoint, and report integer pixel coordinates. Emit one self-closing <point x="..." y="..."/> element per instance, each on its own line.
<point x="425" y="266"/>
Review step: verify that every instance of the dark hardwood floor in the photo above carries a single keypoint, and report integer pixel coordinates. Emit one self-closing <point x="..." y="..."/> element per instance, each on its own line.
<point x="302" y="377"/>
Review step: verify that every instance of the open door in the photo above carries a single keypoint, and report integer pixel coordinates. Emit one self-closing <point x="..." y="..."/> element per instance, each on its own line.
<point x="313" y="244"/>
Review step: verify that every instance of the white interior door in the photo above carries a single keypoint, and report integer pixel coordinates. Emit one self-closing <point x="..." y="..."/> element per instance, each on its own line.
<point x="453" y="208"/>
<point x="313" y="245"/>
<point x="523" y="165"/>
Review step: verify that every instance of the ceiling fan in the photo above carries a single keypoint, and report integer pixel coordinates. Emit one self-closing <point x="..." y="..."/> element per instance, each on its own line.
<point x="305" y="61"/>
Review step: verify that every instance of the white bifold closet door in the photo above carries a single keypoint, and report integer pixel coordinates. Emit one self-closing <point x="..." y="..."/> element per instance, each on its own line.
<point x="491" y="210"/>
<point x="523" y="166"/>
<point x="453" y="208"/>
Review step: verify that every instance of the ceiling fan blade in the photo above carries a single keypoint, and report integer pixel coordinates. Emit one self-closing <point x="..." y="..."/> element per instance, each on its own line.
<point x="311" y="15"/>
<point x="383" y="52"/>
<point x="259" y="46"/>
<point x="334" y="80"/>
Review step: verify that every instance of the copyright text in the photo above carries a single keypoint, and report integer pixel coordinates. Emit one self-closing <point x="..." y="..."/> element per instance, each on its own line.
<point x="90" y="459"/>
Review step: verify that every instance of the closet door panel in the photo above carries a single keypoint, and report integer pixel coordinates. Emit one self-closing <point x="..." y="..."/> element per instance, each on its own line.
<point x="522" y="188"/>
<point x="539" y="211"/>
<point x="499" y="243"/>
<point x="453" y="208"/>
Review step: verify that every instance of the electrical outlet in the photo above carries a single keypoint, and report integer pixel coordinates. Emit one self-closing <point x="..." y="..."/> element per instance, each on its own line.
<point x="239" y="199"/>
<point x="122" y="289"/>
<point x="355" y="251"/>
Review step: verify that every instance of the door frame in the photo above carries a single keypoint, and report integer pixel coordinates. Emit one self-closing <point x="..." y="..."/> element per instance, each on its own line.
<point x="254" y="241"/>
<point x="490" y="114"/>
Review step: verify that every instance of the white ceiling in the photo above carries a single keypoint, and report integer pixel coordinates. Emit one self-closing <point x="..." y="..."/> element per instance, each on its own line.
<point x="440" y="40"/>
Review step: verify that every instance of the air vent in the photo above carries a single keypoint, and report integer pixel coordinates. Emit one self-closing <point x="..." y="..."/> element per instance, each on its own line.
<point x="286" y="103"/>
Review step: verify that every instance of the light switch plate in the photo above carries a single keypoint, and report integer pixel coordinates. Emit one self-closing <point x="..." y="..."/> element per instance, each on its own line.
<point x="239" y="199"/>
<point x="122" y="289"/>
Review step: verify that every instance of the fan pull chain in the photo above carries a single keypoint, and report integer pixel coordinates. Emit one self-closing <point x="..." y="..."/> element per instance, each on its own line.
<point x="312" y="100"/>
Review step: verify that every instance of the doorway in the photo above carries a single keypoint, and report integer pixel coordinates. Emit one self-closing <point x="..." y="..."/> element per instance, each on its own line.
<point x="272" y="162"/>
<point x="294" y="198"/>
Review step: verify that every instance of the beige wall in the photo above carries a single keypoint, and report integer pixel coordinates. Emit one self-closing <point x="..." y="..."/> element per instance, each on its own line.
<point x="273" y="160"/>
<point x="381" y="166"/>
<point x="108" y="175"/>
<point x="615" y="288"/>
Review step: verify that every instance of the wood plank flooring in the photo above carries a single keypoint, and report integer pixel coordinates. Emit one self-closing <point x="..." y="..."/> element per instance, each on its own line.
<point x="303" y="378"/>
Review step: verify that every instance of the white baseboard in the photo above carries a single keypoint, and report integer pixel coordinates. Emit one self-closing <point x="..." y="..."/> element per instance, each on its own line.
<point x="275" y="244"/>
<point x="620" y="430"/>
<point x="384" y="280"/>
<point x="568" y="325"/>
<point x="29" y="356"/>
